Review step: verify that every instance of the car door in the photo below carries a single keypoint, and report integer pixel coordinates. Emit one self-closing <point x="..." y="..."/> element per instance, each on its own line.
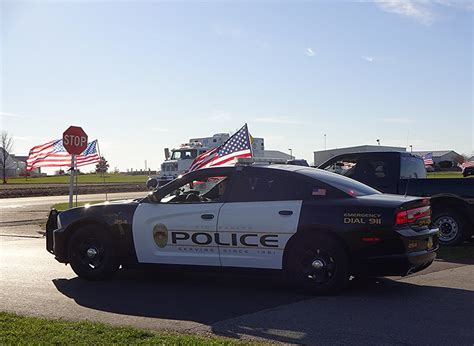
<point x="258" y="218"/>
<point x="177" y="229"/>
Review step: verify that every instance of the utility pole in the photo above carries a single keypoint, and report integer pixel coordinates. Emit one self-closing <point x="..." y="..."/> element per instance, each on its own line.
<point x="291" y="153"/>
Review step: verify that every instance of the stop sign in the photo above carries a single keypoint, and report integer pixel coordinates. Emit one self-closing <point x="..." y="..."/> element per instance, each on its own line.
<point x="75" y="140"/>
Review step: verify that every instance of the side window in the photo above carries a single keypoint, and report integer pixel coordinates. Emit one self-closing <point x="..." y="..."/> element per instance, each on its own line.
<point x="412" y="167"/>
<point x="199" y="190"/>
<point x="345" y="166"/>
<point x="265" y="185"/>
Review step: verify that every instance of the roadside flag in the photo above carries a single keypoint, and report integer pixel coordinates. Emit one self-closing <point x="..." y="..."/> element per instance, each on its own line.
<point x="466" y="164"/>
<point x="53" y="154"/>
<point x="428" y="159"/>
<point x="238" y="145"/>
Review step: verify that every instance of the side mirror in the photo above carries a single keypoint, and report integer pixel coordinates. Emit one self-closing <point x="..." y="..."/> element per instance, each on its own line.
<point x="152" y="197"/>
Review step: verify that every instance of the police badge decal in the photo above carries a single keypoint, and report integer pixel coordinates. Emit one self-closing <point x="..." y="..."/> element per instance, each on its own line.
<point x="160" y="235"/>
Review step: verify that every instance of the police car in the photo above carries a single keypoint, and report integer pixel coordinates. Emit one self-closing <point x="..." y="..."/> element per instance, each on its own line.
<point x="317" y="227"/>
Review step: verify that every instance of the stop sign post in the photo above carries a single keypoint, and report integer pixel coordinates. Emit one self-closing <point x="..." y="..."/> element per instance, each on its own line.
<point x="75" y="142"/>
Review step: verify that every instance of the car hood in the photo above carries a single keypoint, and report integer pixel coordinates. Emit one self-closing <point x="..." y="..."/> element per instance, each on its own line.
<point x="107" y="212"/>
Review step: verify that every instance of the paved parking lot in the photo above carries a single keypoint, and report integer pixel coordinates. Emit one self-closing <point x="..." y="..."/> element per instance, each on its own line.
<point x="433" y="307"/>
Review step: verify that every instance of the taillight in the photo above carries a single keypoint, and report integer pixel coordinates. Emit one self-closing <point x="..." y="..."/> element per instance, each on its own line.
<point x="413" y="215"/>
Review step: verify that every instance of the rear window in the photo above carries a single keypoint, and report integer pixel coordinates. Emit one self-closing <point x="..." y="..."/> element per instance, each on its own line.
<point x="350" y="186"/>
<point x="412" y="167"/>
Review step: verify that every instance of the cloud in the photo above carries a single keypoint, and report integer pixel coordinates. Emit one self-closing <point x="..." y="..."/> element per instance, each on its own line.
<point x="398" y="120"/>
<point x="418" y="10"/>
<point x="221" y="116"/>
<point x="422" y="10"/>
<point x="467" y="5"/>
<point x="12" y="115"/>
<point x="309" y="52"/>
<point x="161" y="129"/>
<point x="277" y="120"/>
<point x="367" y="58"/>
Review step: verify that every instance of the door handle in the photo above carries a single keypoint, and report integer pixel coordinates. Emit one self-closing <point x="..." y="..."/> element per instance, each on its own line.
<point x="285" y="212"/>
<point x="207" y="216"/>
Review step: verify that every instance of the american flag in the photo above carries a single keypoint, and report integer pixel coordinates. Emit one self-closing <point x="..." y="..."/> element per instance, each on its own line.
<point x="235" y="147"/>
<point x="53" y="154"/>
<point x="428" y="159"/>
<point x="466" y="164"/>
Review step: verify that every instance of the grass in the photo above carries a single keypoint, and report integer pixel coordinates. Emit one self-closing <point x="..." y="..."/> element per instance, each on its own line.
<point x="444" y="175"/>
<point x="65" y="206"/>
<point x="15" y="329"/>
<point x="81" y="179"/>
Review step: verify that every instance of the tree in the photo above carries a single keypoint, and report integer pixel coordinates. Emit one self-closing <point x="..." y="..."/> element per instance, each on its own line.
<point x="6" y="144"/>
<point x="102" y="167"/>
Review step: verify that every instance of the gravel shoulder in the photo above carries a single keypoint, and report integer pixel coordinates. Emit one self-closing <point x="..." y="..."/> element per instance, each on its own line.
<point x="33" y="190"/>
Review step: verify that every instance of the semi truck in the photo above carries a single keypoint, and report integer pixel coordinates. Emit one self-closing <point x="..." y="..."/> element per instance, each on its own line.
<point x="179" y="160"/>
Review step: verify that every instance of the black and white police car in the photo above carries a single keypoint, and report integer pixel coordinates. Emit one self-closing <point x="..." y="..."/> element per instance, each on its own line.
<point x="319" y="228"/>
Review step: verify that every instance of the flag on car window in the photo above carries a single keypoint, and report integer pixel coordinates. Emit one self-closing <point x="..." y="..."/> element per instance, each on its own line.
<point x="238" y="145"/>
<point x="428" y="159"/>
<point x="319" y="192"/>
<point x="53" y="154"/>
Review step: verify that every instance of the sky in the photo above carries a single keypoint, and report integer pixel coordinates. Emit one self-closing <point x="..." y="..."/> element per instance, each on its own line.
<point x="142" y="76"/>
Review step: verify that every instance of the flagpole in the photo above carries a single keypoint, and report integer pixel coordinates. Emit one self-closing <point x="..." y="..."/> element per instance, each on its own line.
<point x="103" y="176"/>
<point x="71" y="180"/>
<point x="250" y="139"/>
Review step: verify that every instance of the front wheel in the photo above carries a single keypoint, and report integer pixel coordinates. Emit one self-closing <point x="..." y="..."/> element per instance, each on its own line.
<point x="91" y="254"/>
<point x="318" y="264"/>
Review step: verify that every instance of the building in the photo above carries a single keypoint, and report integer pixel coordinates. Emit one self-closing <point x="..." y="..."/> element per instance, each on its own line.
<point x="443" y="158"/>
<point x="15" y="166"/>
<point x="324" y="155"/>
<point x="275" y="154"/>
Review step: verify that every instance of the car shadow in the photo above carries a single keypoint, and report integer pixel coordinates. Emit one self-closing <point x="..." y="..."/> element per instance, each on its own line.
<point x="204" y="297"/>
<point x="461" y="254"/>
<point x="371" y="311"/>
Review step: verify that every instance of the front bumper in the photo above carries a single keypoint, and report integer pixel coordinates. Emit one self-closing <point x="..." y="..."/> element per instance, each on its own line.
<point x="55" y="238"/>
<point x="420" y="252"/>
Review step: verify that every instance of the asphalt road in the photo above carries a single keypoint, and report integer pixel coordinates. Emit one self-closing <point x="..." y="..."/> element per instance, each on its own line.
<point x="433" y="307"/>
<point x="23" y="216"/>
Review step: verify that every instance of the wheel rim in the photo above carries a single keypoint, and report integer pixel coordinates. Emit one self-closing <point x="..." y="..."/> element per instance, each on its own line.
<point x="317" y="267"/>
<point x="91" y="253"/>
<point x="448" y="228"/>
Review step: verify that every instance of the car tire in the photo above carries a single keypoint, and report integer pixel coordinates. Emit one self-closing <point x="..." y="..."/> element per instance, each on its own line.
<point x="452" y="227"/>
<point x="92" y="254"/>
<point x="318" y="265"/>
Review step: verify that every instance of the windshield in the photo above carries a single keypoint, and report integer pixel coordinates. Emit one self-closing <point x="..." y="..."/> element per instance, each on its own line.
<point x="184" y="154"/>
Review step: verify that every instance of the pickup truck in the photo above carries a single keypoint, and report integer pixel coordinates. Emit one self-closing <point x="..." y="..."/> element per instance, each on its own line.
<point x="452" y="199"/>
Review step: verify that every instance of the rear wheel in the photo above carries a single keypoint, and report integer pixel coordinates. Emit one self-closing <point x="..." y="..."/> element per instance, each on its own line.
<point x="452" y="227"/>
<point x="91" y="254"/>
<point x="318" y="264"/>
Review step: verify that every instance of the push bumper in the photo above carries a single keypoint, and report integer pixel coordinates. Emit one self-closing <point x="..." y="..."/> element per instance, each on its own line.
<point x="55" y="238"/>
